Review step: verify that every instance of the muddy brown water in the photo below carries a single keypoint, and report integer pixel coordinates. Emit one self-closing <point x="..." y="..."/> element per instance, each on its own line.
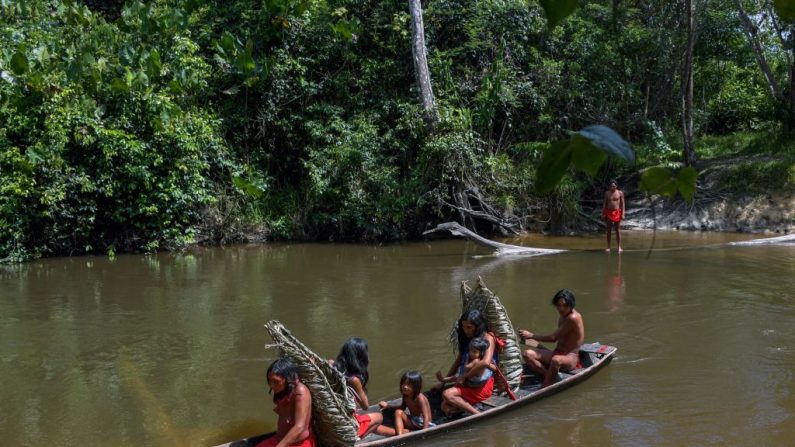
<point x="168" y="349"/>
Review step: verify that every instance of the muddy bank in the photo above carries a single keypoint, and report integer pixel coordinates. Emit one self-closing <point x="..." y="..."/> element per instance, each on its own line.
<point x="769" y="213"/>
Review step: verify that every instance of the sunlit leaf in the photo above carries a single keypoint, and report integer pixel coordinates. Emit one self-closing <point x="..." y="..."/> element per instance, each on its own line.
<point x="785" y="9"/>
<point x="19" y="63"/>
<point x="553" y="166"/>
<point x="609" y="141"/>
<point x="154" y="64"/>
<point x="119" y="86"/>
<point x="658" y="180"/>
<point x="244" y="62"/>
<point x="686" y="182"/>
<point x="247" y="187"/>
<point x="33" y="157"/>
<point x="557" y="10"/>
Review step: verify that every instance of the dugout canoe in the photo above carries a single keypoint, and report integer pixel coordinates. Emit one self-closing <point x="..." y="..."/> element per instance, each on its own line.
<point x="593" y="357"/>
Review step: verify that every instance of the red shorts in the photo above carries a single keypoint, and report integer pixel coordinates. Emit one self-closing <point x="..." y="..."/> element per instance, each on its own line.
<point x="558" y="352"/>
<point x="273" y="440"/>
<point x="364" y="423"/>
<point x="612" y="215"/>
<point x="475" y="395"/>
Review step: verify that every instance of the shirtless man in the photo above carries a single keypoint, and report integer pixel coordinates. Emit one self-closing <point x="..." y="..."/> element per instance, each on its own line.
<point x="613" y="211"/>
<point x="569" y="337"/>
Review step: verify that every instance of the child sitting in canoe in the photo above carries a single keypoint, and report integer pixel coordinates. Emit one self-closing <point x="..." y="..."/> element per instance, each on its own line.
<point x="413" y="412"/>
<point x="353" y="361"/>
<point x="472" y="374"/>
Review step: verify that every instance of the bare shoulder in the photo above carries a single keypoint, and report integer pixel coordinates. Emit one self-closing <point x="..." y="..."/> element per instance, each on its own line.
<point x="574" y="317"/>
<point x="301" y="390"/>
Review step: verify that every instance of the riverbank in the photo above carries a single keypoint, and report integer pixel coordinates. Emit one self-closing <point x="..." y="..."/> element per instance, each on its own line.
<point x="764" y="213"/>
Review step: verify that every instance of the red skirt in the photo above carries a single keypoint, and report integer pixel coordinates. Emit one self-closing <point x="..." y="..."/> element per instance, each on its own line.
<point x="364" y="423"/>
<point x="475" y="395"/>
<point x="612" y="215"/>
<point x="273" y="440"/>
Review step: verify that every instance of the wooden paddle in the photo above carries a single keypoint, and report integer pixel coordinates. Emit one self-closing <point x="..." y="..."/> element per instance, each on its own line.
<point x="501" y="377"/>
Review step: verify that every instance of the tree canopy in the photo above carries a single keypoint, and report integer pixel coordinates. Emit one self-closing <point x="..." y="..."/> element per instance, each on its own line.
<point x="131" y="125"/>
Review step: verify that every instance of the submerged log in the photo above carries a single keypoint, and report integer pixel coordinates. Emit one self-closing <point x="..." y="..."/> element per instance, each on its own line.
<point x="500" y="249"/>
<point x="787" y="239"/>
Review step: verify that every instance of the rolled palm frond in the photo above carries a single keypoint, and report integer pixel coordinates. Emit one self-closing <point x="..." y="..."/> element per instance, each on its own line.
<point x="489" y="304"/>
<point x="332" y="402"/>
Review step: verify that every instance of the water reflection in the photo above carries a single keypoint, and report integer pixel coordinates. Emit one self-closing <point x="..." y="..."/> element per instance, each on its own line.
<point x="615" y="284"/>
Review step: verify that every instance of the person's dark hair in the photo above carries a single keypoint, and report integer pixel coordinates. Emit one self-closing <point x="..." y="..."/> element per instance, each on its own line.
<point x="613" y="181"/>
<point x="475" y="317"/>
<point x="354" y="359"/>
<point x="414" y="378"/>
<point x="283" y="367"/>
<point x="479" y="343"/>
<point x="566" y="295"/>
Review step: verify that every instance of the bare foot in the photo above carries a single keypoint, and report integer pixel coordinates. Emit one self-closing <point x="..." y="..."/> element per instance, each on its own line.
<point x="620" y="249"/>
<point x="607" y="249"/>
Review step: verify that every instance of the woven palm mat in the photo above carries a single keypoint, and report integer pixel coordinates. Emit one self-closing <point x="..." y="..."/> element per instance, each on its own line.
<point x="489" y="304"/>
<point x="332" y="402"/>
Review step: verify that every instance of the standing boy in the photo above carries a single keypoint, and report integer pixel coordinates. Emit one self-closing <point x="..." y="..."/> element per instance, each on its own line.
<point x="613" y="211"/>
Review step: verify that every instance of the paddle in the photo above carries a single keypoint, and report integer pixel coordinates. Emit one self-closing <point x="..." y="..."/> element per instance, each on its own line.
<point x="501" y="377"/>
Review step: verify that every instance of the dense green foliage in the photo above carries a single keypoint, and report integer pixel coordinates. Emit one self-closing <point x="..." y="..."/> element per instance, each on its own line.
<point x="141" y="125"/>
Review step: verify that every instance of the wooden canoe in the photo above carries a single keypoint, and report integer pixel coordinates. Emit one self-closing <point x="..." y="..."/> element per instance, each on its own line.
<point x="593" y="357"/>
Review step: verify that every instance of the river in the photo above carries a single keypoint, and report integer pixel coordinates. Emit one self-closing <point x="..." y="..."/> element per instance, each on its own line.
<point x="169" y="349"/>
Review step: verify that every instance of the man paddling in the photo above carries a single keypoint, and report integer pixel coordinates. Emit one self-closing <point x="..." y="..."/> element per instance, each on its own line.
<point x="613" y="209"/>
<point x="569" y="336"/>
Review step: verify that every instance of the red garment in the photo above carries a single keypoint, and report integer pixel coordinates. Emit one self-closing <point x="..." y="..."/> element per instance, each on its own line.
<point x="559" y="352"/>
<point x="475" y="395"/>
<point x="612" y="215"/>
<point x="273" y="440"/>
<point x="364" y="423"/>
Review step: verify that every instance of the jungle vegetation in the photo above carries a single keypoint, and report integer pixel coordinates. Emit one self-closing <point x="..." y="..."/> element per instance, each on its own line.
<point x="140" y="126"/>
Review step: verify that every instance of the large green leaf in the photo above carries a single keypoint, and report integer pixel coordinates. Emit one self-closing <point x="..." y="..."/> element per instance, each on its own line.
<point x="785" y="9"/>
<point x="19" y="63"/>
<point x="658" y="180"/>
<point x="609" y="141"/>
<point x="557" y="10"/>
<point x="686" y="181"/>
<point x="553" y="166"/>
<point x="585" y="155"/>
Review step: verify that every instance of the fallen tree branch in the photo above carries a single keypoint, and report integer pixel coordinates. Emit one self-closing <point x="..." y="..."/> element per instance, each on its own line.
<point x="501" y="249"/>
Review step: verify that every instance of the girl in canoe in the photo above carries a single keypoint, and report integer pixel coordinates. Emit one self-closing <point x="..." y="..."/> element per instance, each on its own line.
<point x="353" y="361"/>
<point x="477" y="348"/>
<point x="413" y="412"/>
<point x="477" y="383"/>
<point x="293" y="405"/>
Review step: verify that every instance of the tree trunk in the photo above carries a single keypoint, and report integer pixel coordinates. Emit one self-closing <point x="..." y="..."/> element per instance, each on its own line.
<point x="750" y="32"/>
<point x="419" y="52"/>
<point x="689" y="154"/>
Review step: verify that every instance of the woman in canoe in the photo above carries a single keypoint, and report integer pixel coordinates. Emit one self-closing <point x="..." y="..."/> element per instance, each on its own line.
<point x="293" y="405"/>
<point x="353" y="361"/>
<point x="470" y="389"/>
